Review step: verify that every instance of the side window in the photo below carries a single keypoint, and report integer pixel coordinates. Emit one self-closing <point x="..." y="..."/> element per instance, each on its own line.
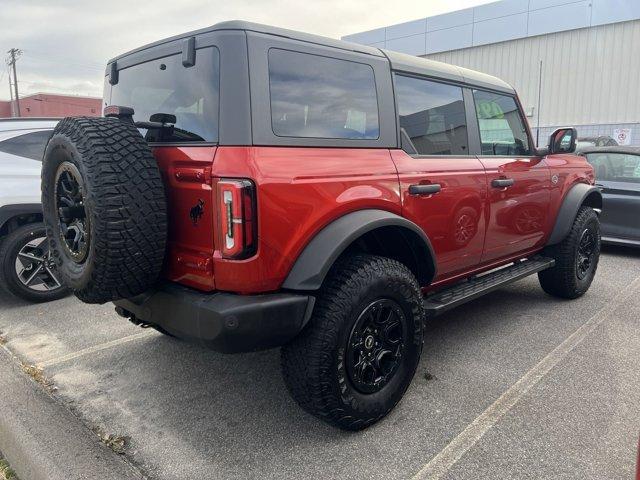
<point x="616" y="167"/>
<point x="502" y="130"/>
<point x="320" y="97"/>
<point x="30" y="145"/>
<point x="432" y="115"/>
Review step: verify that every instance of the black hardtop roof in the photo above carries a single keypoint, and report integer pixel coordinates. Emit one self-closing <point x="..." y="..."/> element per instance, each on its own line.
<point x="398" y="61"/>
<point x="257" y="27"/>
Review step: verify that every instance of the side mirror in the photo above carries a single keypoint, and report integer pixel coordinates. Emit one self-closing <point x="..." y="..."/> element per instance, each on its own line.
<point x="563" y="140"/>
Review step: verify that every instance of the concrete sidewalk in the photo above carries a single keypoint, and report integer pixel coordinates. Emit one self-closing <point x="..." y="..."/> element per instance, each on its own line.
<point x="42" y="439"/>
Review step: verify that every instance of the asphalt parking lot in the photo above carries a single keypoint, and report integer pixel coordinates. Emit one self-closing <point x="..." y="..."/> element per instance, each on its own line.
<point x="514" y="385"/>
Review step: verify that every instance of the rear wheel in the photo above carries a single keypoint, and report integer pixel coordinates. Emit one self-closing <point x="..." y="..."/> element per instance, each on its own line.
<point x="576" y="258"/>
<point x="104" y="208"/>
<point x="354" y="361"/>
<point x="26" y="267"/>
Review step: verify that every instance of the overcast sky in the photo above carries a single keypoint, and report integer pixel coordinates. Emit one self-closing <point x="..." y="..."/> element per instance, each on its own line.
<point x="66" y="43"/>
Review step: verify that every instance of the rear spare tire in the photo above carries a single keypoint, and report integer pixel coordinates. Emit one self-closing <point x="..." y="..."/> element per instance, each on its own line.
<point x="104" y="208"/>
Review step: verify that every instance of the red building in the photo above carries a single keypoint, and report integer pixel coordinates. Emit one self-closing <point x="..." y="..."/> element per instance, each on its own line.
<point x="53" y="105"/>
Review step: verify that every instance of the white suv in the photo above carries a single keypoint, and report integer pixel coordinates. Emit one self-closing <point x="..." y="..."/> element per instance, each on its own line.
<point x="26" y="268"/>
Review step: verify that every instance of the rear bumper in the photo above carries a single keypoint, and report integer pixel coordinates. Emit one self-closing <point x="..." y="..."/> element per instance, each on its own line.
<point x="225" y="322"/>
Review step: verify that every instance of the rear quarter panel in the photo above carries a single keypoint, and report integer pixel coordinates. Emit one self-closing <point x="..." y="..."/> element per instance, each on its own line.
<point x="299" y="191"/>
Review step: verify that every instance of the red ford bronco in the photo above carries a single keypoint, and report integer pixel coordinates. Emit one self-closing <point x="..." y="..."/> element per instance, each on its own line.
<point x="251" y="187"/>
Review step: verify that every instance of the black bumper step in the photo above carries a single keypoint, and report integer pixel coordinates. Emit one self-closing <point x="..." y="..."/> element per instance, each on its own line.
<point x="475" y="287"/>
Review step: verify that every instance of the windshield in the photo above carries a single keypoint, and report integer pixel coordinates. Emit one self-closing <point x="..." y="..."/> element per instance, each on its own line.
<point x="166" y="86"/>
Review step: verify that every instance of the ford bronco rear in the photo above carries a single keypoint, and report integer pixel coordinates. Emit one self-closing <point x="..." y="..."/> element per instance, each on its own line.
<point x="251" y="187"/>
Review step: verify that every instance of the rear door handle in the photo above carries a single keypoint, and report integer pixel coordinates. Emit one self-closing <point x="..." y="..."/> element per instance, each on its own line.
<point x="424" y="189"/>
<point x="502" y="182"/>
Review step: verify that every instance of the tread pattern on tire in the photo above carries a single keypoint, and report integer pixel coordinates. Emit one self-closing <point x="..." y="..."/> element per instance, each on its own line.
<point x="306" y="361"/>
<point x="127" y="200"/>
<point x="561" y="280"/>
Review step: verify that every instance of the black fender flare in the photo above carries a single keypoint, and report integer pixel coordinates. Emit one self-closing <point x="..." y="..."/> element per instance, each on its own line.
<point x="7" y="212"/>
<point x="321" y="252"/>
<point x="580" y="194"/>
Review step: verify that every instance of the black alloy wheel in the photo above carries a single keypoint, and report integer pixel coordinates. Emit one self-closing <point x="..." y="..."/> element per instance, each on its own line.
<point x="585" y="254"/>
<point x="376" y="345"/>
<point x="72" y="213"/>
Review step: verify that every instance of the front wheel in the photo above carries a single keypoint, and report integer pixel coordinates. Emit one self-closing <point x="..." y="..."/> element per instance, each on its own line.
<point x="576" y="258"/>
<point x="354" y="361"/>
<point x="26" y="267"/>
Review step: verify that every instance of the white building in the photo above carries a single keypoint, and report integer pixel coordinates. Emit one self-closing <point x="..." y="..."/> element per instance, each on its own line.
<point x="586" y="53"/>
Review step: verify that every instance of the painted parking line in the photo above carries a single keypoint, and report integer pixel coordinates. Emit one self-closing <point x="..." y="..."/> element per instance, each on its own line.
<point x="448" y="456"/>
<point x="96" y="348"/>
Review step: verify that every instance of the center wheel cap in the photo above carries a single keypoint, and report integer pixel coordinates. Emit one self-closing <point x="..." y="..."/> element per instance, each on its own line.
<point x="369" y="342"/>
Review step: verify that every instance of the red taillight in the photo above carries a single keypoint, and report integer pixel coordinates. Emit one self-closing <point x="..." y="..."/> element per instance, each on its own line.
<point x="238" y="225"/>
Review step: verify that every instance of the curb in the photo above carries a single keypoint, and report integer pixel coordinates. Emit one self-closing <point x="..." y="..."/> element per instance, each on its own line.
<point x="43" y="440"/>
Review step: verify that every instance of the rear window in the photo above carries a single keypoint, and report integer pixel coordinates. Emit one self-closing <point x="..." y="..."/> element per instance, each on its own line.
<point x="30" y="145"/>
<point x="320" y="97"/>
<point x="166" y="86"/>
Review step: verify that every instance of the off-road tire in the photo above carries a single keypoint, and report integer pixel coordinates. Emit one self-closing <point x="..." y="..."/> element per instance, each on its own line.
<point x="313" y="364"/>
<point x="562" y="280"/>
<point x="9" y="281"/>
<point x="125" y="203"/>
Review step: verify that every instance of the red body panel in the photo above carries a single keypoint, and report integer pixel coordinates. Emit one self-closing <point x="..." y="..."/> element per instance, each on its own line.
<point x="570" y="170"/>
<point x="518" y="215"/>
<point x="186" y="172"/>
<point x="455" y="218"/>
<point x="299" y="191"/>
<point x="472" y="226"/>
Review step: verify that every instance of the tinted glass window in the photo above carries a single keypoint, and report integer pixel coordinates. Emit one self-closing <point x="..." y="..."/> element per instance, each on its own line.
<point x="432" y="115"/>
<point x="502" y="130"/>
<point x="166" y="86"/>
<point x="30" y="145"/>
<point x="320" y="97"/>
<point x="616" y="167"/>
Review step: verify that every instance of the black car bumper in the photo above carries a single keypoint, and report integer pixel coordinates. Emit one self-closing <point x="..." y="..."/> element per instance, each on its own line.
<point x="225" y="322"/>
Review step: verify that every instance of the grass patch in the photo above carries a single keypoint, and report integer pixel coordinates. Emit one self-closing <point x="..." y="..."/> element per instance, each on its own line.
<point x="117" y="443"/>
<point x="5" y="471"/>
<point x="3" y="340"/>
<point x="37" y="373"/>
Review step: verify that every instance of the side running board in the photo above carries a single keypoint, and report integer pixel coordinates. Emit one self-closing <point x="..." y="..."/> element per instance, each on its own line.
<point x="475" y="287"/>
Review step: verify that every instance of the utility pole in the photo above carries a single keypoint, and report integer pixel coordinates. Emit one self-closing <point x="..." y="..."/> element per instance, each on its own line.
<point x="10" y="86"/>
<point x="15" y="53"/>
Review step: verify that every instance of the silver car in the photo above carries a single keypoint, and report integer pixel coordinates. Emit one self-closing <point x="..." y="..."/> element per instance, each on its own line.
<point x="26" y="267"/>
